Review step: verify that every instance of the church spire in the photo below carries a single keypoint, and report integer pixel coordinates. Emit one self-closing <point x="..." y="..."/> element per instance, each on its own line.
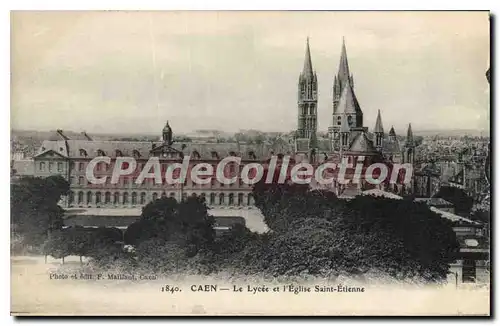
<point x="379" y="132"/>
<point x="308" y="70"/>
<point x="378" y="124"/>
<point x="343" y="74"/>
<point x="307" y="98"/>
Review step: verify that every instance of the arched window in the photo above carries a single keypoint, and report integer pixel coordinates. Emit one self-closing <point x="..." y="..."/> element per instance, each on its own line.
<point x="134" y="198"/>
<point x="339" y="121"/>
<point x="311" y="109"/>
<point x="80" y="197"/>
<point x="83" y="152"/>
<point x="116" y="198"/>
<point x="89" y="197"/>
<point x="125" y="198"/>
<point x="215" y="155"/>
<point x="221" y="198"/>
<point x="251" y="155"/>
<point x="155" y="196"/>
<point x="196" y="155"/>
<point x="240" y="199"/>
<point x="249" y="199"/>
<point x="231" y="199"/>
<point x="143" y="198"/>
<point x="118" y="153"/>
<point x="136" y="153"/>
<point x="100" y="152"/>
<point x="98" y="197"/>
<point x="163" y="195"/>
<point x="212" y="199"/>
<point x="71" y="197"/>
<point x="42" y="166"/>
<point x="107" y="197"/>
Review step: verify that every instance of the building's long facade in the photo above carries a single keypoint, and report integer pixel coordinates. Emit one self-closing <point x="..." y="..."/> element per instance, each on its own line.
<point x="70" y="158"/>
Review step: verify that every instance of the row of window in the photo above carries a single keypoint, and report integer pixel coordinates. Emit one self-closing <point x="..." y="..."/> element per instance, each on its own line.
<point x="51" y="166"/>
<point x="311" y="109"/>
<point x="101" y="166"/>
<point x="135" y="198"/>
<point x="136" y="154"/>
<point x="126" y="181"/>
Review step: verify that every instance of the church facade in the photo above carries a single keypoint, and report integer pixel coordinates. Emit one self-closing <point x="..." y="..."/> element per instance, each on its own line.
<point x="347" y="133"/>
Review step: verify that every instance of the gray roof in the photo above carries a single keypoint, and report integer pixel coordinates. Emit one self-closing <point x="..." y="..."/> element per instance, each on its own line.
<point x="390" y="147"/>
<point x="362" y="144"/>
<point x="434" y="201"/>
<point x="144" y="149"/>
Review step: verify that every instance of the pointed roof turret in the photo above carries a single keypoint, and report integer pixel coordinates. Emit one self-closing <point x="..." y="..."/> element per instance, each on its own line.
<point x="308" y="70"/>
<point x="348" y="102"/>
<point x="167" y="127"/>
<point x="344" y="124"/>
<point x="378" y="124"/>
<point x="409" y="137"/>
<point x="392" y="132"/>
<point x="343" y="73"/>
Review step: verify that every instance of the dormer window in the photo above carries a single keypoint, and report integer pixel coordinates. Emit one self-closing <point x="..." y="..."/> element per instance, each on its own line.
<point x="252" y="155"/>
<point x="118" y="153"/>
<point x="215" y="155"/>
<point x="61" y="149"/>
<point x="136" y="153"/>
<point x="196" y="155"/>
<point x="100" y="152"/>
<point x="83" y="152"/>
<point x="231" y="153"/>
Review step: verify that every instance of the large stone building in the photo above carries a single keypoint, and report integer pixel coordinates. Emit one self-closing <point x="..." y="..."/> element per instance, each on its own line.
<point x="347" y="137"/>
<point x="69" y="158"/>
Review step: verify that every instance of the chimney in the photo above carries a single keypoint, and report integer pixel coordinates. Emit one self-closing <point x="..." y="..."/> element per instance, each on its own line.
<point x="60" y="133"/>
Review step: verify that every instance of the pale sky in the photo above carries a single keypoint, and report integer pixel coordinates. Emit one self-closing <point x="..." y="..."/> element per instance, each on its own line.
<point x="132" y="71"/>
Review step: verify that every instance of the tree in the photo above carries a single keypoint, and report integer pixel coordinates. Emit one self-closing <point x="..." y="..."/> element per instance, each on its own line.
<point x="161" y="256"/>
<point x="186" y="223"/>
<point x="34" y="209"/>
<point x="80" y="240"/>
<point x="57" y="245"/>
<point x="316" y="233"/>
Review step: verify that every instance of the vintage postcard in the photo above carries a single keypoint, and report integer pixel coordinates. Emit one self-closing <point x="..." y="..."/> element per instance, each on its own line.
<point x="169" y="163"/>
